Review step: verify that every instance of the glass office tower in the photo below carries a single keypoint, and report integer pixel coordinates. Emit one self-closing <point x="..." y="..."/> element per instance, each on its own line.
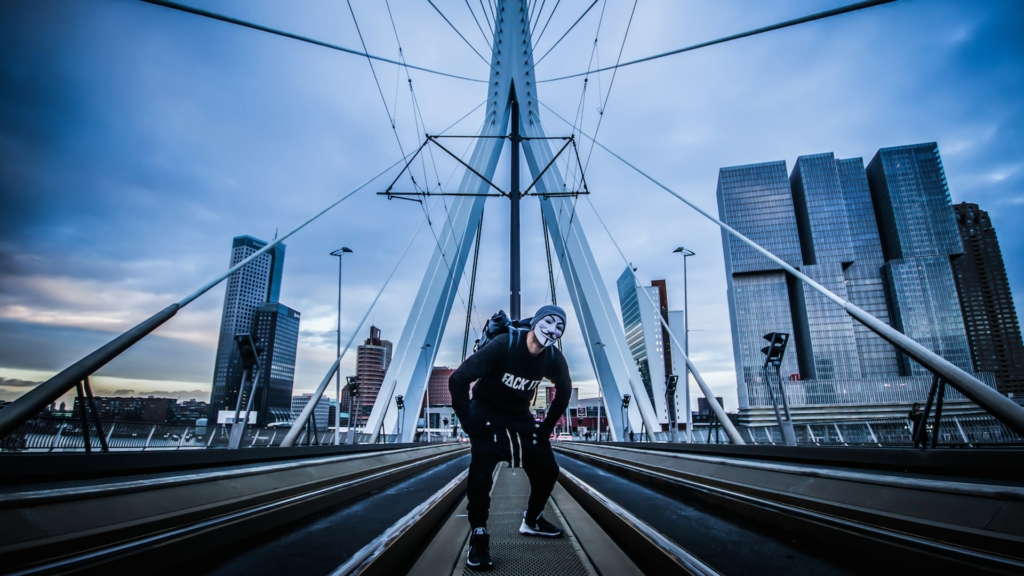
<point x="276" y="327"/>
<point x="647" y="339"/>
<point x="919" y="238"/>
<point x="881" y="238"/>
<point x="246" y="290"/>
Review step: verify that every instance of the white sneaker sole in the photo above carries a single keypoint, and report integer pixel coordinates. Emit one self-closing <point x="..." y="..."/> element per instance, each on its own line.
<point x="525" y="529"/>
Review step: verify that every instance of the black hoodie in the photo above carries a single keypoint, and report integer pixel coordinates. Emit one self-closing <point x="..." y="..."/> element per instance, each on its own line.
<point x="508" y="377"/>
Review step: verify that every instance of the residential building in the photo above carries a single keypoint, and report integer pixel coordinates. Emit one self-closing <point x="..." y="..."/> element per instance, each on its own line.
<point x="275" y="327"/>
<point x="245" y="291"/>
<point x="437" y="387"/>
<point x="986" y="301"/>
<point x="372" y="360"/>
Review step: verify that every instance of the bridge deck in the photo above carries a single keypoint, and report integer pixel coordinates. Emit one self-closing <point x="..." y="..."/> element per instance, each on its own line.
<point x="585" y="550"/>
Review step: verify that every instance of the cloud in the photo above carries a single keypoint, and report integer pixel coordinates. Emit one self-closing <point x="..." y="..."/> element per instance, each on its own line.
<point x="123" y="392"/>
<point x="16" y="383"/>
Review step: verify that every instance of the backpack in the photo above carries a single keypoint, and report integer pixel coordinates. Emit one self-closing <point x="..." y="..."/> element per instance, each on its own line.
<point x="499" y="324"/>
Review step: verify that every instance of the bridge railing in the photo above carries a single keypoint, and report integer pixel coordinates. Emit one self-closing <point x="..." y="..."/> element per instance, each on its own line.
<point x="959" y="430"/>
<point x="65" y="434"/>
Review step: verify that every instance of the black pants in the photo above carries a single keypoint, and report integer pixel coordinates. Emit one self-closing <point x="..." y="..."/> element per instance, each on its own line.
<point x="508" y="439"/>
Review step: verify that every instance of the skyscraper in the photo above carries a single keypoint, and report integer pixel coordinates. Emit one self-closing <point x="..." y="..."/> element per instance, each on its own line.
<point x="372" y="360"/>
<point x="919" y="238"/>
<point x="986" y="301"/>
<point x="647" y="338"/>
<point x="879" y="238"/>
<point x="277" y="328"/>
<point x="246" y="290"/>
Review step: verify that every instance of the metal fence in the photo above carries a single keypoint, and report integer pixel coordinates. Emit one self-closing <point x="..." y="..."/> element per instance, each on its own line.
<point x="976" y="430"/>
<point x="65" y="435"/>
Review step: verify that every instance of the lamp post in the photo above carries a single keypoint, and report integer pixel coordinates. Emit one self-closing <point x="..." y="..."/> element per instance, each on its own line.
<point x="625" y="415"/>
<point x="686" y="343"/>
<point x="426" y="409"/>
<point x="600" y="401"/>
<point x="400" y="403"/>
<point x="337" y="411"/>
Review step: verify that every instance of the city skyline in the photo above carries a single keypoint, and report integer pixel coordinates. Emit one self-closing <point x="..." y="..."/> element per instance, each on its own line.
<point x="78" y="273"/>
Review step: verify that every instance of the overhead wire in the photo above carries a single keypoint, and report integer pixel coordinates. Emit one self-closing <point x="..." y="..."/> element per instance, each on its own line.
<point x="611" y="84"/>
<point x="419" y="122"/>
<point x="804" y="19"/>
<point x="376" y="81"/>
<point x="238" y="22"/>
<point x="577" y="125"/>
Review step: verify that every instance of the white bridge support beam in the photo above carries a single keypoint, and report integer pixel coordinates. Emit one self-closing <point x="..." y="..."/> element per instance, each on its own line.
<point x="409" y="372"/>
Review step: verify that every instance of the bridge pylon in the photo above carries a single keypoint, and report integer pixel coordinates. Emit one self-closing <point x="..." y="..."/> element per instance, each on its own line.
<point x="511" y="73"/>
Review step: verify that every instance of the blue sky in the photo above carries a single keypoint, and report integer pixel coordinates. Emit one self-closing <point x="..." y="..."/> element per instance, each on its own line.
<point x="136" y="141"/>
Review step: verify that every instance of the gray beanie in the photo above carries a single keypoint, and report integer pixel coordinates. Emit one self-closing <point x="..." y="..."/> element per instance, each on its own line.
<point x="547" y="310"/>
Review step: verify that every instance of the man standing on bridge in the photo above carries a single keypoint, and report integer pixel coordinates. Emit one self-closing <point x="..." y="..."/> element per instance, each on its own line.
<point x="501" y="428"/>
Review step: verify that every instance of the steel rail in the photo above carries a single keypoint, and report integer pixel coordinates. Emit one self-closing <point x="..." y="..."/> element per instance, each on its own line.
<point x="650" y="548"/>
<point x="880" y="534"/>
<point x="103" y="554"/>
<point x="1004" y="409"/>
<point x="810" y="18"/>
<point x="269" y="30"/>
<point x="386" y="553"/>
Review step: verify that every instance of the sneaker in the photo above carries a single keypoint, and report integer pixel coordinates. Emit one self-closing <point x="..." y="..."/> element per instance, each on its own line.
<point x="479" y="553"/>
<point x="540" y="527"/>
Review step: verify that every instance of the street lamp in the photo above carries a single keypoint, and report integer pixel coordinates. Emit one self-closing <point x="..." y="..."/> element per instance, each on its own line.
<point x="337" y="412"/>
<point x="426" y="410"/>
<point x="686" y="343"/>
<point x="600" y="400"/>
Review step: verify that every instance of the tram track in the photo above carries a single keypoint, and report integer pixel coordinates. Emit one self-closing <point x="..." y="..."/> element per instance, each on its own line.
<point x="979" y="528"/>
<point x="139" y="523"/>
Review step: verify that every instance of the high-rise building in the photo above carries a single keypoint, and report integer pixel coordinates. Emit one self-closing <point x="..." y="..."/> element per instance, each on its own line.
<point x="919" y="238"/>
<point x="322" y="412"/>
<point x="276" y="328"/>
<point x="247" y="289"/>
<point x="372" y="360"/>
<point x="879" y="238"/>
<point x="647" y="337"/>
<point x="986" y="301"/>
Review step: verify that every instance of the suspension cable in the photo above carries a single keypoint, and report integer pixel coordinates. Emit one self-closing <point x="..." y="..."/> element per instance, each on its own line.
<point x="481" y="28"/>
<point x="238" y="22"/>
<point x="734" y="435"/>
<point x="391" y="118"/>
<point x="468" y="43"/>
<point x="820" y="15"/>
<point x="550" y="15"/>
<point x="594" y="3"/>
<point x="604" y="105"/>
<point x="300" y="422"/>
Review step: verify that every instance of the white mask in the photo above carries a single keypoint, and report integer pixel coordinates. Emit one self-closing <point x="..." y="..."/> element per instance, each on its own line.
<point x="548" y="330"/>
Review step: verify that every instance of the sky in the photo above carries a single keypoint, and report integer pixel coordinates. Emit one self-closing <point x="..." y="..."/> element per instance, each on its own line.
<point x="136" y="141"/>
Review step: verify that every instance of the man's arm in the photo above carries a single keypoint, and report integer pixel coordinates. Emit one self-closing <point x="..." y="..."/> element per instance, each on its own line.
<point x="563" y="390"/>
<point x="470" y="371"/>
